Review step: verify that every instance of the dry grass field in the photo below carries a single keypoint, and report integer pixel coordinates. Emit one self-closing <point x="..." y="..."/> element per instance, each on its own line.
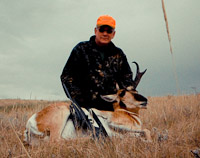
<point x="173" y="120"/>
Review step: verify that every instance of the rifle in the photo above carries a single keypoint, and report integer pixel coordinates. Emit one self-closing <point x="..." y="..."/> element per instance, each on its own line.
<point x="80" y="115"/>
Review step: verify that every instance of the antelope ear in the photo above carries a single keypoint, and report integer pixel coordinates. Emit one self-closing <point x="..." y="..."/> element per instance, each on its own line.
<point x="109" y="98"/>
<point x="117" y="86"/>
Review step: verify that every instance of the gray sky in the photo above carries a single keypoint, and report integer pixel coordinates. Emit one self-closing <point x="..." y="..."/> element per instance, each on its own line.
<point x="36" y="38"/>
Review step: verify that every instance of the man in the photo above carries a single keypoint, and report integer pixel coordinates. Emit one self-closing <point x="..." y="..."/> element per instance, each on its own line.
<point x="96" y="66"/>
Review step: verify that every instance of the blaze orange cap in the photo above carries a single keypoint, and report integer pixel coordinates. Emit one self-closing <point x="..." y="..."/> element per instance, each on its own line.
<point x="106" y="20"/>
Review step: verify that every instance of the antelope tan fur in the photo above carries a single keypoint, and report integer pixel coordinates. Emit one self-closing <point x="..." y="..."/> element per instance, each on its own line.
<point x="53" y="121"/>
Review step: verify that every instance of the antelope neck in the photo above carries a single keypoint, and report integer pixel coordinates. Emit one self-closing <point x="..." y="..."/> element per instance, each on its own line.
<point x="124" y="110"/>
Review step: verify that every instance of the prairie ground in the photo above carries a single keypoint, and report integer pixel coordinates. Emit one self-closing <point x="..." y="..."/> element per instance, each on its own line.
<point x="174" y="122"/>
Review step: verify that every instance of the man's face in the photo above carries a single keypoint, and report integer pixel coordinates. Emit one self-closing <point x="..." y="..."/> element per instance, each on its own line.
<point x="104" y="34"/>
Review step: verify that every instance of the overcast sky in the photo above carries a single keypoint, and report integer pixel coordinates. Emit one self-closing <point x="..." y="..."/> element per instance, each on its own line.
<point x="36" y="38"/>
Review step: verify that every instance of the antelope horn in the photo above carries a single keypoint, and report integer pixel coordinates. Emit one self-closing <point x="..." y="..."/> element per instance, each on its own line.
<point x="138" y="75"/>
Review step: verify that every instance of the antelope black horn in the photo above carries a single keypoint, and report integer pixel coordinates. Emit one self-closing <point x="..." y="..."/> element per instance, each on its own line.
<point x="138" y="75"/>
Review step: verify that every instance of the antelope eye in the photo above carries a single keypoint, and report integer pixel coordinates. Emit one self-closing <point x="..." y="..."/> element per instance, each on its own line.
<point x="122" y="93"/>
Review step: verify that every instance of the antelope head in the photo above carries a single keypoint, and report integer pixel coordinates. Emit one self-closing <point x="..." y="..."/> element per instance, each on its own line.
<point x="128" y="99"/>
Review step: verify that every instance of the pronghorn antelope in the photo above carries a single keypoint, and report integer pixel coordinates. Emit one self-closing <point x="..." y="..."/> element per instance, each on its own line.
<point x="53" y="121"/>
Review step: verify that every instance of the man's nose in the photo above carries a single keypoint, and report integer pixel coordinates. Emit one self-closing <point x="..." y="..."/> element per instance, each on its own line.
<point x="105" y="32"/>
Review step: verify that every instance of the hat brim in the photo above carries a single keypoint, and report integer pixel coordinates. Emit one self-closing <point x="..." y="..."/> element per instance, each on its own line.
<point x="99" y="25"/>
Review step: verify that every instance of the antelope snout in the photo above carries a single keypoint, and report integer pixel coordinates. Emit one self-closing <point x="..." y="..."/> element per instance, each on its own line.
<point x="143" y="105"/>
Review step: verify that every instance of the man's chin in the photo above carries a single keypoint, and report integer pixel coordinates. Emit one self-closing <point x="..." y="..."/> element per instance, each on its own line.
<point x="104" y="42"/>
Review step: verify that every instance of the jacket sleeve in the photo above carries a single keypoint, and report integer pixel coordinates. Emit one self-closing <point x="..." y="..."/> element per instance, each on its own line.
<point x="69" y="76"/>
<point x="125" y="78"/>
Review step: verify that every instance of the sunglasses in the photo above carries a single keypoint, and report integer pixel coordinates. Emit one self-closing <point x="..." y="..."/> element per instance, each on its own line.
<point x="109" y="30"/>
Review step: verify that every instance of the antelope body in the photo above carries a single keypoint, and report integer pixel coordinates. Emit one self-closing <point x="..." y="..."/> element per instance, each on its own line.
<point x="54" y="122"/>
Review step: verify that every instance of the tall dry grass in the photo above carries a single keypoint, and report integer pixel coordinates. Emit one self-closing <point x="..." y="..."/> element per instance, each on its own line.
<point x="174" y="122"/>
<point x="170" y="44"/>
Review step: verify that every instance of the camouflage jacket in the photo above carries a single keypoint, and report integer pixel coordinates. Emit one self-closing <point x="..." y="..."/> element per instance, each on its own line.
<point x="92" y="71"/>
